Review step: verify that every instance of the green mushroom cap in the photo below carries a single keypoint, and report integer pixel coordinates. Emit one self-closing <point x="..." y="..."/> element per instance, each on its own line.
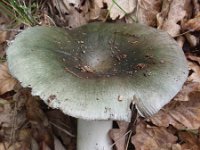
<point x="96" y="71"/>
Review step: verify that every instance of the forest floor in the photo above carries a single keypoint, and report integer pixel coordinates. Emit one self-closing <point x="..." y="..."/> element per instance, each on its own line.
<point x="27" y="123"/>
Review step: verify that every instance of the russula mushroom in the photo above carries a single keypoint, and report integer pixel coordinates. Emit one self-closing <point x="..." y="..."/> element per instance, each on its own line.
<point x="96" y="71"/>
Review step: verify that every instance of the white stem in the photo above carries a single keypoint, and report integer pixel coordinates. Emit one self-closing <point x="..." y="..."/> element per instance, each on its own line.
<point x="93" y="135"/>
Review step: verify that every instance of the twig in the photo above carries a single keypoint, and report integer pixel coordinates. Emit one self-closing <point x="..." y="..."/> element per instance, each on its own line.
<point x="120" y="138"/>
<point x="65" y="131"/>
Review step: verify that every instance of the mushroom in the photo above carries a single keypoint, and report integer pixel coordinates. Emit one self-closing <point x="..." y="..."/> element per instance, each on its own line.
<point x="95" y="72"/>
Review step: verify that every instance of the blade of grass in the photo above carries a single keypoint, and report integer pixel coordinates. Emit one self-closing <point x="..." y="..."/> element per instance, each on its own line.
<point x="19" y="11"/>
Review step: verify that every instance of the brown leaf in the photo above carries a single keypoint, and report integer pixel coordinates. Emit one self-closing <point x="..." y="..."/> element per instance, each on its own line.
<point x="7" y="82"/>
<point x="25" y="137"/>
<point x="193" y="58"/>
<point x="5" y="113"/>
<point x="72" y="12"/>
<point x="41" y="129"/>
<point x="192" y="24"/>
<point x="188" y="87"/>
<point x="14" y="146"/>
<point x="118" y="135"/>
<point x="12" y="117"/>
<point x="182" y="115"/>
<point x="196" y="5"/>
<point x="176" y="12"/>
<point x="2" y="50"/>
<point x="3" y="36"/>
<point x="96" y="11"/>
<point x="63" y="126"/>
<point x="195" y="76"/>
<point x="193" y="40"/>
<point x="58" y="144"/>
<point x="147" y="11"/>
<point x="76" y="19"/>
<point x="152" y="138"/>
<point x="163" y="14"/>
<point x="180" y="41"/>
<point x="117" y="12"/>
<point x="188" y="140"/>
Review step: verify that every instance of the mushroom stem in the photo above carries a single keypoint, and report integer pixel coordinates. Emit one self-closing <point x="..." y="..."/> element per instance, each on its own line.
<point x="93" y="135"/>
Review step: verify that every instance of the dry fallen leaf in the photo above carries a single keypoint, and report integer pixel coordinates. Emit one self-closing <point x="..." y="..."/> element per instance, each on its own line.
<point x="192" y="24"/>
<point x="8" y="146"/>
<point x="5" y="113"/>
<point x="188" y="87"/>
<point x="12" y="117"/>
<point x="193" y="40"/>
<point x="76" y="19"/>
<point x="195" y="68"/>
<point x="152" y="138"/>
<point x="58" y="144"/>
<point x="168" y="21"/>
<point x="119" y="135"/>
<point x="196" y="6"/>
<point x="97" y="12"/>
<point x="73" y="12"/>
<point x="193" y="58"/>
<point x="147" y="11"/>
<point x="163" y="14"/>
<point x="189" y="140"/>
<point x="180" y="41"/>
<point x="7" y="82"/>
<point x="3" y="36"/>
<point x="180" y="114"/>
<point x="117" y="7"/>
<point x="63" y="126"/>
<point x="40" y="126"/>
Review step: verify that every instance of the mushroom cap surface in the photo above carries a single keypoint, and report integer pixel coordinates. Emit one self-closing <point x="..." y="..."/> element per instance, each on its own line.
<point x="96" y="71"/>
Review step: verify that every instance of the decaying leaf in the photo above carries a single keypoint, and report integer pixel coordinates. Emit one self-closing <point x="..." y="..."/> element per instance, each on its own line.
<point x="147" y="11"/>
<point x="180" y="41"/>
<point x="3" y="36"/>
<point x="182" y="115"/>
<point x="193" y="58"/>
<point x="196" y="6"/>
<point x="192" y="24"/>
<point x="97" y="12"/>
<point x="8" y="146"/>
<point x="12" y="117"/>
<point x="119" y="135"/>
<point x="117" y="7"/>
<point x="73" y="12"/>
<point x="25" y="137"/>
<point x="41" y="129"/>
<point x="5" y="113"/>
<point x="188" y="87"/>
<point x="76" y="19"/>
<point x="58" y="144"/>
<point x="163" y="14"/>
<point x="189" y="140"/>
<point x="63" y="126"/>
<point x="168" y="21"/>
<point x="195" y="76"/>
<point x="152" y="138"/>
<point x="7" y="82"/>
<point x="193" y="40"/>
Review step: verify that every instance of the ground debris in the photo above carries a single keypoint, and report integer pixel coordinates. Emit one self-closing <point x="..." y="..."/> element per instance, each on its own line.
<point x="7" y="82"/>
